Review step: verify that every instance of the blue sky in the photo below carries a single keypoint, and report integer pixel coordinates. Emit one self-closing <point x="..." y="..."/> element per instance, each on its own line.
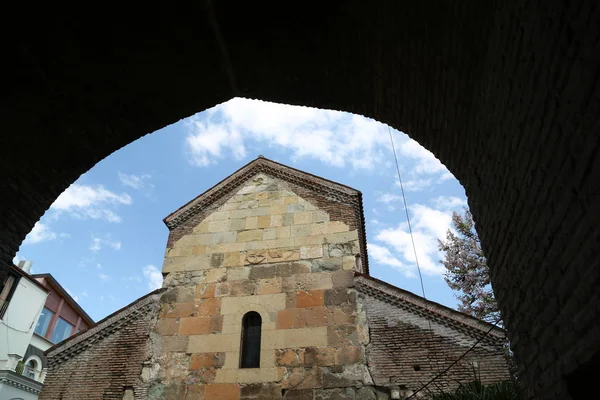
<point x="104" y="240"/>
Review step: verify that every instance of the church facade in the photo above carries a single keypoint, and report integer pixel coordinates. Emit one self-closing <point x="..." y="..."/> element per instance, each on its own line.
<point x="267" y="295"/>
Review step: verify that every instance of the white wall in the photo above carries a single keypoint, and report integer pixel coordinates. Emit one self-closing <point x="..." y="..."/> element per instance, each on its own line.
<point x="8" y="392"/>
<point x="18" y="323"/>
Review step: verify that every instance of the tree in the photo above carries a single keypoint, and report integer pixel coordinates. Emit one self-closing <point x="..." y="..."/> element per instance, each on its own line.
<point x="466" y="269"/>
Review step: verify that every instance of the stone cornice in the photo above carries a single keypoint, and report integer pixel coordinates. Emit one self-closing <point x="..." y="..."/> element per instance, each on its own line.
<point x="21" y="382"/>
<point x="433" y="311"/>
<point x="330" y="190"/>
<point x="106" y="327"/>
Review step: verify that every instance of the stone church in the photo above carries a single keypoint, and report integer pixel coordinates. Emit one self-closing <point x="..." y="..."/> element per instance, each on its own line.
<point x="267" y="295"/>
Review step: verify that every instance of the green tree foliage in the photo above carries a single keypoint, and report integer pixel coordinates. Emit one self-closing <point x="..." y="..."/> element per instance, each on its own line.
<point x="467" y="271"/>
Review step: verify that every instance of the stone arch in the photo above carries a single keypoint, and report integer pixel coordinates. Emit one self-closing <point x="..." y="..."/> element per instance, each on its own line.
<point x="484" y="85"/>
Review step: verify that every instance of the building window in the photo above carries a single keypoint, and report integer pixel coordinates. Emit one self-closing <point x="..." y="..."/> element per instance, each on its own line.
<point x="43" y="322"/>
<point x="251" y="327"/>
<point x="30" y="369"/>
<point x="62" y="330"/>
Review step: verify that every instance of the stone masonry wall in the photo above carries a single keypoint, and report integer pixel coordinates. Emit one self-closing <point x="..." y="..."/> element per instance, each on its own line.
<point x="404" y="351"/>
<point x="111" y="365"/>
<point x="266" y="250"/>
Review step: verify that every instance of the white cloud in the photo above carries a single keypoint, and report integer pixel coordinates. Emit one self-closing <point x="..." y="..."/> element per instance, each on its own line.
<point x="428" y="225"/>
<point x="416" y="185"/>
<point x="135" y="181"/>
<point x="388" y="198"/>
<point x="382" y="255"/>
<point x="40" y="233"/>
<point x="99" y="243"/>
<point x="427" y="163"/>
<point x="336" y="138"/>
<point x="449" y="202"/>
<point x="87" y="201"/>
<point x="153" y="276"/>
<point x="104" y="277"/>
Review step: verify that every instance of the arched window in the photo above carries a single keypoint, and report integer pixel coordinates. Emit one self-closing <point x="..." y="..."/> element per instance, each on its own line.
<point x="251" y="327"/>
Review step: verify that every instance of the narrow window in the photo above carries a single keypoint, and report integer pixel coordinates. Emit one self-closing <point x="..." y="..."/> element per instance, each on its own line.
<point x="251" y="327"/>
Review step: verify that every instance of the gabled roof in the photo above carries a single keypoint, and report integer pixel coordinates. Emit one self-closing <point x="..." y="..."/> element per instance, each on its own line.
<point x="77" y="343"/>
<point x="64" y="294"/>
<point x="439" y="313"/>
<point x="333" y="191"/>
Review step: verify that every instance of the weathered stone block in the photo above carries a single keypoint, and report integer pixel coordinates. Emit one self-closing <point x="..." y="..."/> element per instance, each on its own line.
<point x="174" y="343"/>
<point x="236" y="274"/>
<point x="341" y="336"/>
<point x="222" y="391"/>
<point x="326" y="264"/>
<point x="336" y="394"/>
<point x="261" y="391"/>
<point x="298" y="394"/>
<point x="264" y="221"/>
<point x="304" y="378"/>
<point x="318" y="316"/>
<point x="209" y="306"/>
<point x="269" y="234"/>
<point x="342" y="279"/>
<point x="194" y="326"/>
<point x="269" y="286"/>
<point x="308" y="252"/>
<point x="167" y="326"/>
<point x="291" y="318"/>
<point x="234" y="259"/>
<point x="319" y="280"/>
<point x="319" y="356"/>
<point x="207" y="360"/>
<point x="205" y="290"/>
<point x="180" y="310"/>
<point x="250" y="236"/>
<point x="242" y="288"/>
<point x="339" y="296"/>
<point x="342" y="249"/>
<point x="289" y="357"/>
<point x="348" y="355"/>
<point x="313" y="298"/>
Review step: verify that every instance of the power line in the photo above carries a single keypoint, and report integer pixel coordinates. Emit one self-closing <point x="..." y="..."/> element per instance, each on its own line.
<point x="455" y="361"/>
<point x="412" y="238"/>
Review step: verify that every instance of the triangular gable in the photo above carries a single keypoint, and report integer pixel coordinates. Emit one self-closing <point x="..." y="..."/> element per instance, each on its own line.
<point x="74" y="345"/>
<point x="195" y="210"/>
<point x="413" y="303"/>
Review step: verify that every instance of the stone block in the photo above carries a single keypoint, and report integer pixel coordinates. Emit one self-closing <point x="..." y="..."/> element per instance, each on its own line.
<point x="167" y="326"/>
<point x="180" y="310"/>
<point x="348" y="355"/>
<point x="172" y="344"/>
<point x="185" y="294"/>
<point x="319" y="229"/>
<point x="222" y="391"/>
<point x="269" y="234"/>
<point x="308" y="252"/>
<point x="342" y="336"/>
<point x="318" y="316"/>
<point x="326" y="264"/>
<point x="231" y="247"/>
<point x="218" y="226"/>
<point x="269" y="286"/>
<point x="236" y="274"/>
<point x="284" y="232"/>
<point x="318" y="280"/>
<point x="209" y="306"/>
<point x="242" y="288"/>
<point x="254" y="235"/>
<point x="313" y="298"/>
<point x="194" y="326"/>
<point x="260" y="391"/>
<point x="309" y="240"/>
<point x="288" y="219"/>
<point x="222" y="289"/>
<point x="234" y="259"/>
<point x="207" y="360"/>
<point x="199" y="249"/>
<point x="298" y="394"/>
<point x="212" y="343"/>
<point x="301" y="230"/>
<point x="278" y="209"/>
<point x="282" y="254"/>
<point x="195" y="392"/>
<point x="343" y="316"/>
<point x="289" y="357"/>
<point x="342" y="279"/>
<point x="215" y="275"/>
<point x="276" y="220"/>
<point x="343" y="249"/>
<point x="319" y="356"/>
<point x="260" y="211"/>
<point x="304" y="378"/>
<point x="251" y="223"/>
<point x="349" y="263"/>
<point x="238" y="224"/>
<point x="216" y="260"/>
<point x="336" y="394"/>
<point x="341" y="237"/>
<point x="304" y="337"/>
<point x="271" y="302"/>
<point x="264" y="221"/>
<point x="290" y="199"/>
<point x="205" y="290"/>
<point x="339" y="296"/>
<point x="291" y="318"/>
<point x="337" y="226"/>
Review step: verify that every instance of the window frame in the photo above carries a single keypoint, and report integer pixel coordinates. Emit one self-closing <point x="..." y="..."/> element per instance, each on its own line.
<point x="56" y="326"/>
<point x="250" y="341"/>
<point x="45" y="331"/>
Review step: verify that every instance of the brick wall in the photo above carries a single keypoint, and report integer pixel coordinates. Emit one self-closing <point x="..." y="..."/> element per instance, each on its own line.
<point x="406" y="351"/>
<point x="105" y="361"/>
<point x="268" y="250"/>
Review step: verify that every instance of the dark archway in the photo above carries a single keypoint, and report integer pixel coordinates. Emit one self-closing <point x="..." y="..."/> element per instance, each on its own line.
<point x="504" y="93"/>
